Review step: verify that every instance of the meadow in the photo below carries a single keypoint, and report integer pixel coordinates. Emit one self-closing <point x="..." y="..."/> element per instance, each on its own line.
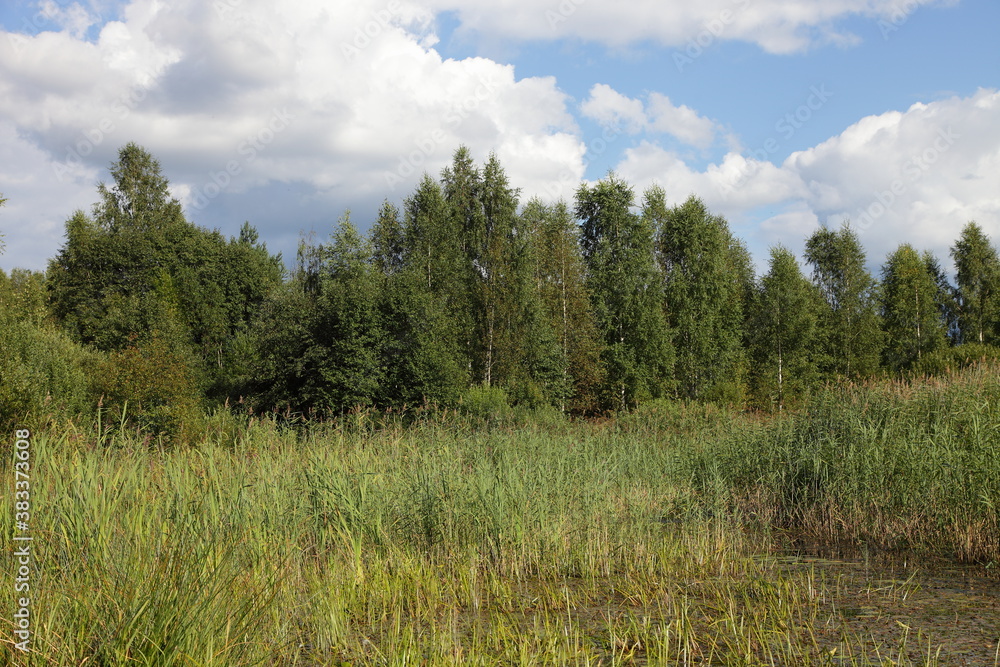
<point x="679" y="534"/>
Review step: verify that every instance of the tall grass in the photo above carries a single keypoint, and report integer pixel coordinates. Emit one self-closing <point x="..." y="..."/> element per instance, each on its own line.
<point x="897" y="466"/>
<point x="504" y="542"/>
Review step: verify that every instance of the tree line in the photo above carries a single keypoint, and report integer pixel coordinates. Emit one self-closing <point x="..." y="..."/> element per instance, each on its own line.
<point x="465" y="294"/>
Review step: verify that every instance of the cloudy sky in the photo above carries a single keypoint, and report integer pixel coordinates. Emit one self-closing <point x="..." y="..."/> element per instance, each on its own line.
<point x="781" y="114"/>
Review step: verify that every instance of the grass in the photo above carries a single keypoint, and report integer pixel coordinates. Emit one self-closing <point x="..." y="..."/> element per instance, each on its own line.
<point x="645" y="540"/>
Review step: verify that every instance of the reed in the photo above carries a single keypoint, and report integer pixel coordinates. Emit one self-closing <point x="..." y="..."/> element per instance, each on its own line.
<point x="449" y="541"/>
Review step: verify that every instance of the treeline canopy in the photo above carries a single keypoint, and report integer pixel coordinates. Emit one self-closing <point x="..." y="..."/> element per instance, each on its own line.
<point x="596" y="304"/>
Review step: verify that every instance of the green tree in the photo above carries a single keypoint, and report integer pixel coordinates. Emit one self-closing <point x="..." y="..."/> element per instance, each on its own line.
<point x="947" y="298"/>
<point x="910" y="310"/>
<point x="850" y="328"/>
<point x="136" y="268"/>
<point x="387" y="240"/>
<point x="784" y="325"/>
<point x="139" y="201"/>
<point x="978" y="277"/>
<point x="348" y="327"/>
<point x="627" y="292"/>
<point x="426" y="305"/>
<point x="320" y="338"/>
<point x="708" y="280"/>
<point x="560" y="274"/>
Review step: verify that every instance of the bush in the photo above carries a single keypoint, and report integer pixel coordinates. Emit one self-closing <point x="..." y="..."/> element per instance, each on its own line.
<point x="488" y="404"/>
<point x="951" y="359"/>
<point x="42" y="372"/>
<point x="151" y="386"/>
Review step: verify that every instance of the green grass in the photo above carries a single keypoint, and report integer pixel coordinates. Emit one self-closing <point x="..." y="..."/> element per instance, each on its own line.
<point x="635" y="541"/>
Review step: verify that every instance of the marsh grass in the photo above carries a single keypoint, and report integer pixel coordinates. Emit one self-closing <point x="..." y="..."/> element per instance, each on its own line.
<point x="509" y="541"/>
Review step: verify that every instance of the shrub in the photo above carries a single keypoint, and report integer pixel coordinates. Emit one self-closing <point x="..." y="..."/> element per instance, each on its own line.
<point x="151" y="386"/>
<point x="488" y="404"/>
<point x="951" y="359"/>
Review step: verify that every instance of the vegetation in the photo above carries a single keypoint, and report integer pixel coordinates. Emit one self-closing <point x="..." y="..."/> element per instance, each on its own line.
<point x="484" y="433"/>
<point x="589" y="308"/>
<point x="495" y="539"/>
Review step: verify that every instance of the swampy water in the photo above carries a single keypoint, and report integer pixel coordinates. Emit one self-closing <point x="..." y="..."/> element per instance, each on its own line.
<point x="906" y="609"/>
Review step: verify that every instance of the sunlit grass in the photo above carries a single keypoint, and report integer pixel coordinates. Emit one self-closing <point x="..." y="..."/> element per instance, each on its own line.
<point x="641" y="541"/>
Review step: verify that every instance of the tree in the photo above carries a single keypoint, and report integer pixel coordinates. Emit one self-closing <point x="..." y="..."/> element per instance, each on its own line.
<point x="139" y="201"/>
<point x="560" y="274"/>
<point x="850" y="328"/>
<point x="911" y="315"/>
<point x="946" y="299"/>
<point x="978" y="277"/>
<point x="425" y="305"/>
<point x="136" y="268"/>
<point x="708" y="279"/>
<point x="387" y="240"/>
<point x="627" y="292"/>
<point x="320" y="341"/>
<point x="348" y="333"/>
<point x="784" y="323"/>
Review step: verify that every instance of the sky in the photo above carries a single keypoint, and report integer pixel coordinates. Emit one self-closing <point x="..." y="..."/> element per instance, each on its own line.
<point x="782" y="115"/>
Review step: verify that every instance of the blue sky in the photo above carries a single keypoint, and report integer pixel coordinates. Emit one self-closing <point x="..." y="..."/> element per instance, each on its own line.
<point x="781" y="115"/>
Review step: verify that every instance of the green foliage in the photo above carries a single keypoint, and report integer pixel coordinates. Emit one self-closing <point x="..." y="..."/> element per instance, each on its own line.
<point x="783" y="344"/>
<point x="626" y="290"/>
<point x="910" y="308"/>
<point x="486" y="404"/>
<point x="560" y="274"/>
<point x="946" y="360"/>
<point x="150" y="386"/>
<point x="708" y="282"/>
<point x="978" y="277"/>
<point x="347" y="336"/>
<point x="320" y="339"/>
<point x="137" y="266"/>
<point x="42" y="371"/>
<point x="850" y="329"/>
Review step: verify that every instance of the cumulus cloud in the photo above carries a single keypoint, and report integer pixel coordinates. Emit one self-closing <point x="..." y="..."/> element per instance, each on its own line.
<point x="314" y="106"/>
<point x="658" y="116"/>
<point x="241" y="94"/>
<point x="917" y="175"/>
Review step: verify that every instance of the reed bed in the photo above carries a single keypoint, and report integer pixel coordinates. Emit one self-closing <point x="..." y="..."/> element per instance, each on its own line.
<point x="517" y="541"/>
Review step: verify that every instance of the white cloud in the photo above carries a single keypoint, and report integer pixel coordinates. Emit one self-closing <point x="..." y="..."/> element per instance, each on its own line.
<point x="659" y="115"/>
<point x="239" y="94"/>
<point x="26" y="182"/>
<point x="777" y="26"/>
<point x="610" y="108"/>
<point x="916" y="176"/>
<point x="683" y="122"/>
